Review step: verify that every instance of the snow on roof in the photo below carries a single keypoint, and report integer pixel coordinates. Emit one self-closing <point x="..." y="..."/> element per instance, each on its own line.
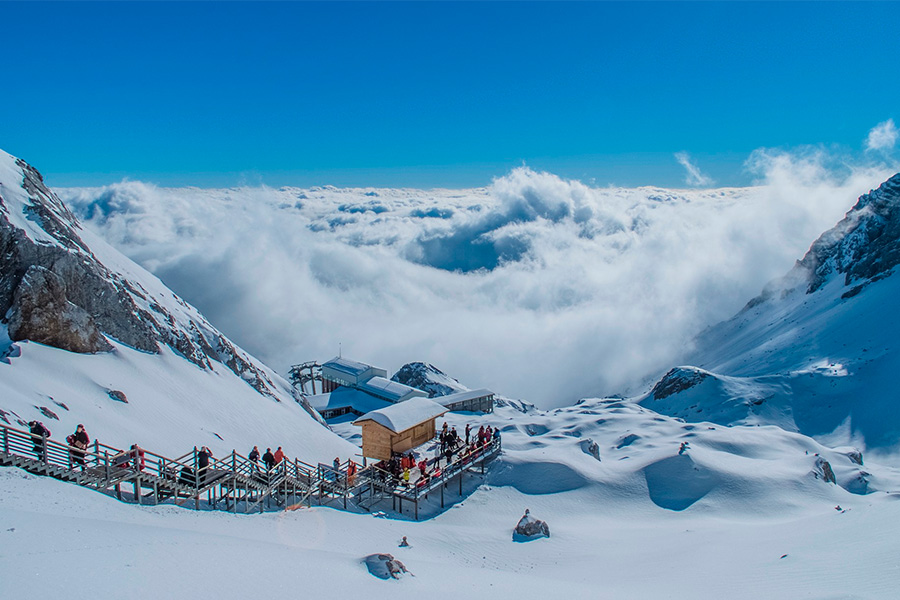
<point x="400" y="417"/>
<point x="343" y="397"/>
<point x="347" y="366"/>
<point x="463" y="396"/>
<point x="386" y="388"/>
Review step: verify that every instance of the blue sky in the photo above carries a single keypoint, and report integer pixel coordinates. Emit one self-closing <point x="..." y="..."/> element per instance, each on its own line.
<point x="436" y="94"/>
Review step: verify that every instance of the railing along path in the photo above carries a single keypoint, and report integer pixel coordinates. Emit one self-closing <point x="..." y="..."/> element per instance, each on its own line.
<point x="231" y="482"/>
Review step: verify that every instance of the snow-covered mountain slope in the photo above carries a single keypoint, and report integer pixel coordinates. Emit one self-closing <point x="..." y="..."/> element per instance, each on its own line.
<point x="816" y="352"/>
<point x="740" y="512"/>
<point x="81" y="321"/>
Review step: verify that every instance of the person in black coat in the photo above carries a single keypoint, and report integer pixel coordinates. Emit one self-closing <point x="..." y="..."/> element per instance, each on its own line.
<point x="269" y="459"/>
<point x="203" y="457"/>
<point x="38" y="432"/>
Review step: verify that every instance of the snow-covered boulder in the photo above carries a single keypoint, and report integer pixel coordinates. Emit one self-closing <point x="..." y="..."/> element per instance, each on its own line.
<point x="385" y="566"/>
<point x="530" y="528"/>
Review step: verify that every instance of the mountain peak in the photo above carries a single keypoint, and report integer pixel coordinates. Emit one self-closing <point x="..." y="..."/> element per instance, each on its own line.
<point x="57" y="290"/>
<point x="864" y="246"/>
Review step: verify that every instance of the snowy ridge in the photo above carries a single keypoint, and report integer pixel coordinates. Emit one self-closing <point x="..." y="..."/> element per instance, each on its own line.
<point x="815" y="353"/>
<point x="126" y="303"/>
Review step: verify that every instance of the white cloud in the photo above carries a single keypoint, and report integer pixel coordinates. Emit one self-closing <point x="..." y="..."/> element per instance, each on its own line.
<point x="537" y="287"/>
<point x="694" y="177"/>
<point x="882" y="137"/>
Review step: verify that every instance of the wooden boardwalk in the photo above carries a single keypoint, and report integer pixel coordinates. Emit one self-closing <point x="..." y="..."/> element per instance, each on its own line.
<point x="233" y="482"/>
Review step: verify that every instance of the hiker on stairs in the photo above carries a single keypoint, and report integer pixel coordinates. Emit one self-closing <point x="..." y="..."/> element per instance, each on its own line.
<point x="38" y="433"/>
<point x="79" y="441"/>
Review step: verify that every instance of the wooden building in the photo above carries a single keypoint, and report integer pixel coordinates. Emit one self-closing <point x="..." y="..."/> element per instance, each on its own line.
<point x="399" y="427"/>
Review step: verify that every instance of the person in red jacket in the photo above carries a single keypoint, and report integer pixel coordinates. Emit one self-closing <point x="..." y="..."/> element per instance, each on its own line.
<point x="279" y="455"/>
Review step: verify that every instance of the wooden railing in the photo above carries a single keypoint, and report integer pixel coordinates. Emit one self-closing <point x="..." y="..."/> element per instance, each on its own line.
<point x="232" y="479"/>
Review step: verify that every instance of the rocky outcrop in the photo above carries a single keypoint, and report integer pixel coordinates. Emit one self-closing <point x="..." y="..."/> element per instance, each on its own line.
<point x="865" y="245"/>
<point x="428" y="378"/>
<point x="823" y="469"/>
<point x="678" y="380"/>
<point x="530" y="528"/>
<point x="55" y="291"/>
<point x="41" y="312"/>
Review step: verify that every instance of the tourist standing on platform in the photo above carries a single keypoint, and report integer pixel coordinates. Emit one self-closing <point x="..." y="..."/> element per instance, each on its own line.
<point x="279" y="455"/>
<point x="79" y="440"/>
<point x="351" y="473"/>
<point x="203" y="463"/>
<point x="254" y="455"/>
<point x="137" y="455"/>
<point x="269" y="459"/>
<point x="468" y="430"/>
<point x="38" y="432"/>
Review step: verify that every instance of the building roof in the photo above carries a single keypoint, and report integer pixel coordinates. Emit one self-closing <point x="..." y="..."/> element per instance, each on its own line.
<point x="463" y="396"/>
<point x="389" y="390"/>
<point x="345" y="365"/>
<point x="342" y="397"/>
<point x="403" y="416"/>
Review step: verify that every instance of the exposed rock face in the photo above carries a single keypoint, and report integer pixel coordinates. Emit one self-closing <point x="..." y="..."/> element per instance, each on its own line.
<point x="678" y="380"/>
<point x="823" y="469"/>
<point x="54" y="290"/>
<point x="428" y="378"/>
<point x="863" y="247"/>
<point x="41" y="312"/>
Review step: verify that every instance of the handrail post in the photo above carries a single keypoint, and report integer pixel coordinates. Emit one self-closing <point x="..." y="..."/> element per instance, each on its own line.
<point x="44" y="441"/>
<point x="5" y="440"/>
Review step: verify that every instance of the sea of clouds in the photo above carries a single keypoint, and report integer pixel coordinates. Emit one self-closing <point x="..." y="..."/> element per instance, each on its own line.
<point x="537" y="287"/>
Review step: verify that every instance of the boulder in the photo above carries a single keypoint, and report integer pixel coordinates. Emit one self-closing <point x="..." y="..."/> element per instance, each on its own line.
<point x="530" y="528"/>
<point x="385" y="566"/>
<point x="41" y="312"/>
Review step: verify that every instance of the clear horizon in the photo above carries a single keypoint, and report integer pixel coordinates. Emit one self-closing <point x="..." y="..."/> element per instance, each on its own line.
<point x="441" y="94"/>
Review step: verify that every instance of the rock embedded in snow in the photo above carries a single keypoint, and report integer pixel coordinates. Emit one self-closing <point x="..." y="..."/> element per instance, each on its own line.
<point x="385" y="566"/>
<point x="118" y="396"/>
<point x="589" y="446"/>
<point x="530" y="528"/>
<point x="823" y="469"/>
